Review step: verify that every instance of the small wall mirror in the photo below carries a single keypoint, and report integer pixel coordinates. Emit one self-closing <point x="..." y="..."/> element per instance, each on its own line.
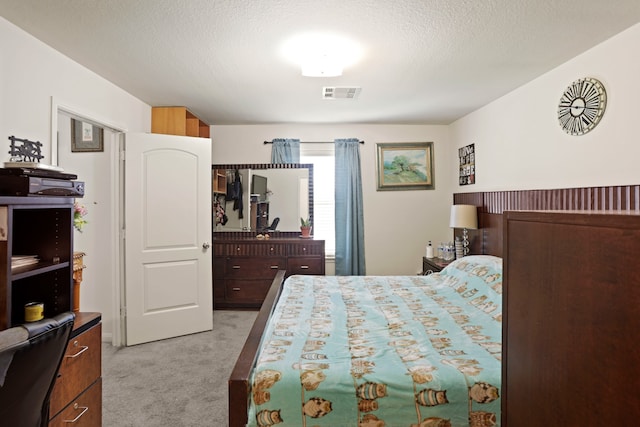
<point x="262" y="197"/>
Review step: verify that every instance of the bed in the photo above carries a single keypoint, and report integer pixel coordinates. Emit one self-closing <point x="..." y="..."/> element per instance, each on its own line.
<point x="374" y="351"/>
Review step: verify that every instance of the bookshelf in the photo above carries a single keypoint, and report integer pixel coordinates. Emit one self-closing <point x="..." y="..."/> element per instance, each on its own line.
<point x="40" y="229"/>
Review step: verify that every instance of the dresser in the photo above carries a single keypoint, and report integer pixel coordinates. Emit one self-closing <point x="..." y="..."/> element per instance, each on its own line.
<point x="76" y="398"/>
<point x="243" y="268"/>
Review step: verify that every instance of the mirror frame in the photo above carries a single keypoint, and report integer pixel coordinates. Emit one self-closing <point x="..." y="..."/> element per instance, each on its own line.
<point x="284" y="233"/>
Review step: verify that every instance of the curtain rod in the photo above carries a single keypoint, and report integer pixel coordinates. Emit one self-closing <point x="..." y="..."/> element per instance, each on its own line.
<point x="312" y="142"/>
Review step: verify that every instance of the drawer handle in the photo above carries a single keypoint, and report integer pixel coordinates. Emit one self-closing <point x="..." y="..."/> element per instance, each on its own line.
<point x="82" y="350"/>
<point x="304" y="267"/>
<point x="236" y="267"/>
<point x="274" y="267"/>
<point x="75" y="406"/>
<point x="235" y="289"/>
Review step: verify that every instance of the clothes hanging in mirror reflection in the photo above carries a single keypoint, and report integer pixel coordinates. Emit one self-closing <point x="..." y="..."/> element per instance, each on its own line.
<point x="234" y="193"/>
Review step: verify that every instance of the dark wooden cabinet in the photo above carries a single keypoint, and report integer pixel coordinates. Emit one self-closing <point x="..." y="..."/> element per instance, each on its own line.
<point x="40" y="227"/>
<point x="76" y="398"/>
<point x="433" y="265"/>
<point x="570" y="319"/>
<point x="243" y="269"/>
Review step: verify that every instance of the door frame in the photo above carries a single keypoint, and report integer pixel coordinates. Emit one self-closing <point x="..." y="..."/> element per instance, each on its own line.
<point x="115" y="146"/>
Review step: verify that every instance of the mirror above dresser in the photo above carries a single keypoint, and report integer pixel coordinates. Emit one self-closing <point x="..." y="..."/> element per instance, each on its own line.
<point x="253" y="196"/>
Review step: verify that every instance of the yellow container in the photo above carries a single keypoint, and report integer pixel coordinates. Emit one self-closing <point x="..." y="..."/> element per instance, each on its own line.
<point x="33" y="311"/>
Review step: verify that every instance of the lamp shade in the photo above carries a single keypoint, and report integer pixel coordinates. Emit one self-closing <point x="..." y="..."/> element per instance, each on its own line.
<point x="464" y="216"/>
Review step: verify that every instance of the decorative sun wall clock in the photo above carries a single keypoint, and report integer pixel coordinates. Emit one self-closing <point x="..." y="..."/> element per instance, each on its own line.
<point x="582" y="106"/>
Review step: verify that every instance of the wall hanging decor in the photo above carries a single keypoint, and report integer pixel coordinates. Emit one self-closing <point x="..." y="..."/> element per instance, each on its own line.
<point x="405" y="166"/>
<point x="467" y="156"/>
<point x="582" y="106"/>
<point x="86" y="137"/>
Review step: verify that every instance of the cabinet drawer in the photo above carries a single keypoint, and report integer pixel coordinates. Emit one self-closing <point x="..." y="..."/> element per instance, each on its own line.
<point x="257" y="248"/>
<point x="79" y="369"/>
<point x="254" y="268"/>
<point x="84" y="411"/>
<point x="251" y="291"/>
<point x="306" y="248"/>
<point x="305" y="265"/>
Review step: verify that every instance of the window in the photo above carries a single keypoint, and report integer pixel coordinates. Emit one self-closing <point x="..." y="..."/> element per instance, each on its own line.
<point x="321" y="155"/>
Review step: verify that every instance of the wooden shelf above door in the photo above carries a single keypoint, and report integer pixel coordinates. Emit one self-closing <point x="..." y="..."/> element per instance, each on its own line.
<point x="177" y="121"/>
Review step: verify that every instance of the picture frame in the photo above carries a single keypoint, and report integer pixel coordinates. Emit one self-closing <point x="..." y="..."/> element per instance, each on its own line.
<point x="467" y="156"/>
<point x="86" y="137"/>
<point x="405" y="166"/>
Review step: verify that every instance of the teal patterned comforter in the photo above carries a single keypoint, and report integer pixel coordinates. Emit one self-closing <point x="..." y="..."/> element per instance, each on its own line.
<point x="375" y="351"/>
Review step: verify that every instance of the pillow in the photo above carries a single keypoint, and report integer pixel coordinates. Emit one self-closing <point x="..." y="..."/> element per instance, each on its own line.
<point x="480" y="277"/>
<point x="487" y="267"/>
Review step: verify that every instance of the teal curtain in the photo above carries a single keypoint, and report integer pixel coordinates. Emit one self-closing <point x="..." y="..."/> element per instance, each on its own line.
<point x="285" y="151"/>
<point x="349" y="211"/>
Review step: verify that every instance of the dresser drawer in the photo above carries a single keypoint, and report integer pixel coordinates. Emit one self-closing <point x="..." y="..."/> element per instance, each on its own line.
<point x="305" y="265"/>
<point x="306" y="248"/>
<point x="250" y="291"/>
<point x="254" y="268"/>
<point x="81" y="366"/>
<point x="244" y="268"/>
<point x="256" y="248"/>
<point x="83" y="411"/>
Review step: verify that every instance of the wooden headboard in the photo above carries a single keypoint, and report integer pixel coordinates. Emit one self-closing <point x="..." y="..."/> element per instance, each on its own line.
<point x="488" y="238"/>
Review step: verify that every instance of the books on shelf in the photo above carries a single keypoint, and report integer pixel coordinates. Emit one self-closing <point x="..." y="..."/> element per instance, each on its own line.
<point x="23" y="260"/>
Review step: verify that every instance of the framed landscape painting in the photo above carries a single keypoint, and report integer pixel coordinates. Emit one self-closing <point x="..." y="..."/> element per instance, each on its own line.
<point x="405" y="166"/>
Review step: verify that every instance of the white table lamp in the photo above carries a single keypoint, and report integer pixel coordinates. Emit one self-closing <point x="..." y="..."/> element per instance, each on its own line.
<point x="465" y="217"/>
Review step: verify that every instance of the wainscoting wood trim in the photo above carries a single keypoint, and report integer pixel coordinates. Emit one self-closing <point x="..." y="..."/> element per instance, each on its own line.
<point x="491" y="205"/>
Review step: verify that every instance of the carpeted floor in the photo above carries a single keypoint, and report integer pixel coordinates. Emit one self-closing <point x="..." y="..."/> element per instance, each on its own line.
<point x="176" y="382"/>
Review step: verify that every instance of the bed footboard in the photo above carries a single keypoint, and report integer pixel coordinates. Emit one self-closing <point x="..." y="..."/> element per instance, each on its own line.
<point x="239" y="387"/>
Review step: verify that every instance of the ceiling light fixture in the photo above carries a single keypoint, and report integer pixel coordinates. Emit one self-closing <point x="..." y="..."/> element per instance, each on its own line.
<point x="321" y="55"/>
<point x="321" y="65"/>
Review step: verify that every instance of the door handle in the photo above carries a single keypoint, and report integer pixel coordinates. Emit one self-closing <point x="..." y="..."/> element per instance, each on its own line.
<point x="206" y="246"/>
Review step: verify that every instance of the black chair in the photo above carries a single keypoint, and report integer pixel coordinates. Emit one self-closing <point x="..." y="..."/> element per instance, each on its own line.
<point x="274" y="224"/>
<point x="30" y="357"/>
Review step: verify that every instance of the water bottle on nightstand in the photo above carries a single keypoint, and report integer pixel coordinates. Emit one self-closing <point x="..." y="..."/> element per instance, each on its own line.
<point x="429" y="250"/>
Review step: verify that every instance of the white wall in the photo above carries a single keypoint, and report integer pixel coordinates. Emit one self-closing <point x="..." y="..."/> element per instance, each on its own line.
<point x="285" y="202"/>
<point x="398" y="224"/>
<point x="31" y="73"/>
<point x="519" y="144"/>
<point x="97" y="289"/>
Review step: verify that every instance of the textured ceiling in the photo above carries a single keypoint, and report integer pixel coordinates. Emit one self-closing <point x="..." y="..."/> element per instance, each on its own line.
<point x="423" y="61"/>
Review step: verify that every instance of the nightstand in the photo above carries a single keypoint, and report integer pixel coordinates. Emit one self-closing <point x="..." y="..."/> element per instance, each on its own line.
<point x="433" y="265"/>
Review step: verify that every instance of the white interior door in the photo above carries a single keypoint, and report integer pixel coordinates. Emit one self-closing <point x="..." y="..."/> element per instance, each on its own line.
<point x="167" y="203"/>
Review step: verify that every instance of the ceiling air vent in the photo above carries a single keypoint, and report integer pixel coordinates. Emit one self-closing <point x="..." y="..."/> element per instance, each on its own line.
<point x="333" y="92"/>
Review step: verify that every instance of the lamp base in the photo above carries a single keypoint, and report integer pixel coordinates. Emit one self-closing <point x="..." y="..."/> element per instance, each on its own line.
<point x="465" y="242"/>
